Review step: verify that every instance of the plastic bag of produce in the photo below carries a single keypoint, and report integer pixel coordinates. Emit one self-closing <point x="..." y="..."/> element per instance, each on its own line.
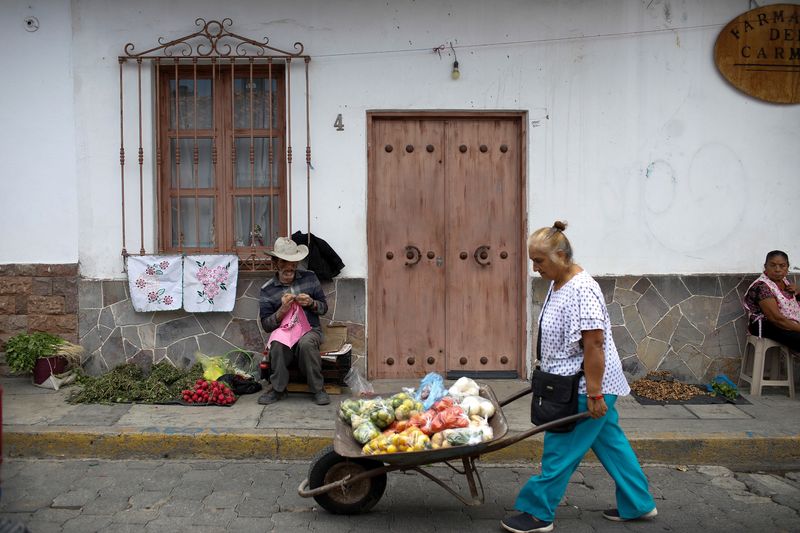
<point x="365" y="432"/>
<point x="398" y="426"/>
<point x="414" y="440"/>
<point x="357" y="383"/>
<point x="452" y="417"/>
<point x="405" y="408"/>
<point x="476" y="421"/>
<point x="438" y="441"/>
<point x="214" y="366"/>
<point x="464" y="436"/>
<point x="464" y="386"/>
<point x="410" y="440"/>
<point x="348" y="408"/>
<point x="430" y="390"/>
<point x="423" y="421"/>
<point x="444" y="403"/>
<point x="477" y="405"/>
<point x="381" y="413"/>
<point x="398" y="399"/>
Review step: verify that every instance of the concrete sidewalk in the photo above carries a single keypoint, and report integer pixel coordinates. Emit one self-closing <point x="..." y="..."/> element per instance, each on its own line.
<point x="39" y="423"/>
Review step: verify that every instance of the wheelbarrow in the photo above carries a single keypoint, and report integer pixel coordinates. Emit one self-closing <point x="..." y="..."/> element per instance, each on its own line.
<point x="344" y="481"/>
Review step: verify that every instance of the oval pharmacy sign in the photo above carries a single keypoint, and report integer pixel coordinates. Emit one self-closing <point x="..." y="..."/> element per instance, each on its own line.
<point x="758" y="52"/>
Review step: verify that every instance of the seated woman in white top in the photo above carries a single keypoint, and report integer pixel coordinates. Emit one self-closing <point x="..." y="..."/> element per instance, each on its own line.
<point x="772" y="303"/>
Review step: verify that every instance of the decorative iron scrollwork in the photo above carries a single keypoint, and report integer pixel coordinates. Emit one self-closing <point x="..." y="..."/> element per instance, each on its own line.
<point x="213" y="40"/>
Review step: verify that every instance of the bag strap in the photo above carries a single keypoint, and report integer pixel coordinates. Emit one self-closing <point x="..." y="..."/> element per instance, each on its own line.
<point x="537" y="365"/>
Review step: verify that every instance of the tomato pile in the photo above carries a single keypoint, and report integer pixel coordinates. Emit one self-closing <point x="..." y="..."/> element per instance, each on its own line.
<point x="209" y="392"/>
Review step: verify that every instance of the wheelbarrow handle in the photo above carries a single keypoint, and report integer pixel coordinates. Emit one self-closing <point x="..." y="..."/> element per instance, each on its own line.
<point x="513" y="439"/>
<point x="515" y="396"/>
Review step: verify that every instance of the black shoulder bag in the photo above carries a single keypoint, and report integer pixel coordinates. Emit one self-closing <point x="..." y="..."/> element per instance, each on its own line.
<point x="554" y="396"/>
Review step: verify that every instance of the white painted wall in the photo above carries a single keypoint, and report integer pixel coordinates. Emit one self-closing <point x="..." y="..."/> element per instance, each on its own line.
<point x="38" y="189"/>
<point x="656" y="162"/>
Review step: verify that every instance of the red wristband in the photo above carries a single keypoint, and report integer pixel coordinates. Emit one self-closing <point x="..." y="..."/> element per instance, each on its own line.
<point x="598" y="397"/>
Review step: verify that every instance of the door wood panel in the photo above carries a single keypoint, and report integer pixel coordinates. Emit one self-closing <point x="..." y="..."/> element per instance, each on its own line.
<point x="406" y="202"/>
<point x="482" y="228"/>
<point x="446" y="186"/>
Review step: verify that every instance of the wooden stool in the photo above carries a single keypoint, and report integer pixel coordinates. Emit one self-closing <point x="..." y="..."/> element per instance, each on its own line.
<point x="759" y="347"/>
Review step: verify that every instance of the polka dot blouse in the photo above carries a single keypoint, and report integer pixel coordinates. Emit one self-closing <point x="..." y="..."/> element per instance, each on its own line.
<point x="578" y="306"/>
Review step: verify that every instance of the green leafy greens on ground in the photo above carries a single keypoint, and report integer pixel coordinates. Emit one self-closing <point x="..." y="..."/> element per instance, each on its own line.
<point x="726" y="391"/>
<point x="127" y="383"/>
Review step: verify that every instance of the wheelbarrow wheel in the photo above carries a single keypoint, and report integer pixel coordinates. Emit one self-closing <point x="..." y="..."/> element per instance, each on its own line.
<point x="329" y="467"/>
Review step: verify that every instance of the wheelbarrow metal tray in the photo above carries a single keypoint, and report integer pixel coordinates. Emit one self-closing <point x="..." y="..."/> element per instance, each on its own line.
<point x="346" y="446"/>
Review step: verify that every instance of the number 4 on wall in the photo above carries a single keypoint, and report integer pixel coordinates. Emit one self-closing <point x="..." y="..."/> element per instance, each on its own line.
<point x="338" y="124"/>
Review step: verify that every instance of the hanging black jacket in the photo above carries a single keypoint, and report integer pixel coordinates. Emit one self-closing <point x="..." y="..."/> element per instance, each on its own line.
<point x="322" y="259"/>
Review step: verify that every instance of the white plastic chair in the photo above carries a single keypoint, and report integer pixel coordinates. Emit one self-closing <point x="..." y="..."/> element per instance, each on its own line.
<point x="758" y="348"/>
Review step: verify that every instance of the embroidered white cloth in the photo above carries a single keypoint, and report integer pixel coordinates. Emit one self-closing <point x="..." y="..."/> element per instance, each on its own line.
<point x="155" y="282"/>
<point x="209" y="282"/>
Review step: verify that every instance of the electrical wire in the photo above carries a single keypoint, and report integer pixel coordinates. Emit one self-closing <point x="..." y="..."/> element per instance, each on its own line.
<point x="523" y="42"/>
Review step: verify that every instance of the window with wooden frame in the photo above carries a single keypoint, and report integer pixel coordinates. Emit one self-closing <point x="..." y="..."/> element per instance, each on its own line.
<point x="222" y="136"/>
<point x="223" y="153"/>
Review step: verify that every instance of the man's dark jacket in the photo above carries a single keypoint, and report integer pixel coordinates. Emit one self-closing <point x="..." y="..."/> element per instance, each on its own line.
<point x="322" y="259"/>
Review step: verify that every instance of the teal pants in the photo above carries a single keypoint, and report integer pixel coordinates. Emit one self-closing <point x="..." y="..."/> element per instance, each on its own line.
<point x="563" y="453"/>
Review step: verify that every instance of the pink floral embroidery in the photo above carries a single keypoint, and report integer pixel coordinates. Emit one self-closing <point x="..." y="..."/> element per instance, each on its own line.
<point x="213" y="280"/>
<point x="149" y="283"/>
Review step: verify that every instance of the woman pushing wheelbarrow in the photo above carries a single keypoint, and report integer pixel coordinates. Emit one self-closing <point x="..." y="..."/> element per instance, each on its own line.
<point x="575" y="340"/>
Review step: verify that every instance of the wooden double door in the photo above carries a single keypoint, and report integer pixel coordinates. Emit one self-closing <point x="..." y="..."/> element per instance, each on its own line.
<point x="446" y="281"/>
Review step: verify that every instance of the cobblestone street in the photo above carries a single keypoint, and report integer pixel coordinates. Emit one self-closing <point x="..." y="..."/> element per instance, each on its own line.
<point x="110" y="496"/>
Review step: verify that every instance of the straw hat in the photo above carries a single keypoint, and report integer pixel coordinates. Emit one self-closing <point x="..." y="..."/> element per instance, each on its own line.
<point x="288" y="250"/>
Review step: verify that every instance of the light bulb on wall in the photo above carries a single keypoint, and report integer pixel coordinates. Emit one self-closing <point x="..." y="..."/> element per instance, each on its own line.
<point x="455" y="74"/>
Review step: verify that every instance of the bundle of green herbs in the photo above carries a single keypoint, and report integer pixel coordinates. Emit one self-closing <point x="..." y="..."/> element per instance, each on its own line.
<point x="727" y="391"/>
<point x="127" y="383"/>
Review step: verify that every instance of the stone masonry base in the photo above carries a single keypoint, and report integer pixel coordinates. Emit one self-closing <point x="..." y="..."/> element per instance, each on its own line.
<point x="692" y="325"/>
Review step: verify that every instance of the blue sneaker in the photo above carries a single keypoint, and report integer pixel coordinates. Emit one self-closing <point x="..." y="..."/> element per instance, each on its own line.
<point x="525" y="523"/>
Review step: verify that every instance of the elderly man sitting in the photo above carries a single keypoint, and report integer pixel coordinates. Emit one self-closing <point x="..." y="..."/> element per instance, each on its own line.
<point x="286" y="296"/>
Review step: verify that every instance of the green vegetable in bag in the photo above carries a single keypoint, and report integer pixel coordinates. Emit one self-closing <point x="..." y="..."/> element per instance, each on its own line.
<point x="348" y="408"/>
<point x="464" y="436"/>
<point x="365" y="432"/>
<point x="398" y="399"/>
<point x="383" y="415"/>
<point x="213" y="366"/>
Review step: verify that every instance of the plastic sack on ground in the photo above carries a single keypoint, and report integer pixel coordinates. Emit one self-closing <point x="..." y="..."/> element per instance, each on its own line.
<point x="431" y="389"/>
<point x="238" y="362"/>
<point x="358" y="384"/>
<point x="56" y="381"/>
<point x="214" y="366"/>
<point x="721" y="385"/>
<point x="240" y="384"/>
